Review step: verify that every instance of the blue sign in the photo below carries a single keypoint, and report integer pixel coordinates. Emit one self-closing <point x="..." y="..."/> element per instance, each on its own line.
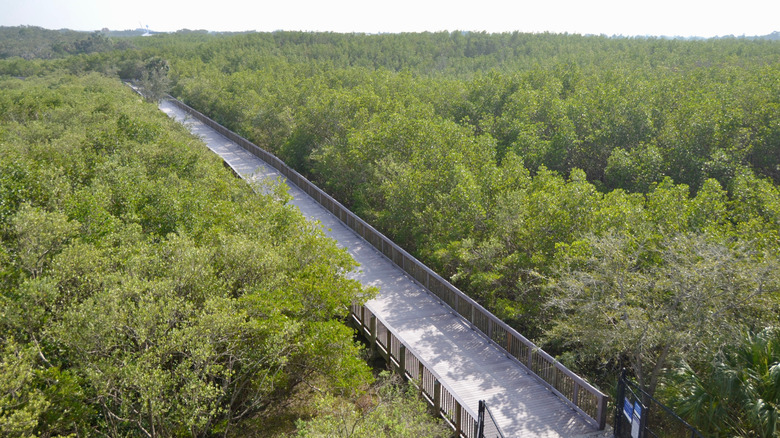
<point x="628" y="410"/>
<point x="637" y="421"/>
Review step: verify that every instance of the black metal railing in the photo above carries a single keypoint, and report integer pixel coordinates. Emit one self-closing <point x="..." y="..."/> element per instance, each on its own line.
<point x="486" y="423"/>
<point x="639" y="415"/>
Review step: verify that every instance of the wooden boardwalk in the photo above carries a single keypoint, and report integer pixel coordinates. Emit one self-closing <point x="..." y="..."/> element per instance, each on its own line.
<point x="463" y="359"/>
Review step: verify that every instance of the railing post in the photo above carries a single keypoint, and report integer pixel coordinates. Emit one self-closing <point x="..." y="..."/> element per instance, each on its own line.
<point x="422" y="378"/>
<point x="458" y="420"/>
<point x="457" y="304"/>
<point x="402" y="360"/>
<point x="576" y="395"/>
<point x="621" y="393"/>
<point x="389" y="347"/>
<point x="436" y="397"/>
<point x="372" y="335"/>
<point x="602" y="413"/>
<point x="355" y="317"/>
<point x="481" y="420"/>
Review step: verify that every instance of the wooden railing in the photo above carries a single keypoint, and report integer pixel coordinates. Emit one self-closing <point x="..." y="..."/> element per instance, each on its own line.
<point x="405" y="361"/>
<point x="580" y="395"/>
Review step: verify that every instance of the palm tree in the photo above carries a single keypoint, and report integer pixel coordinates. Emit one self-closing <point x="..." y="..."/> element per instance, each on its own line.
<point x="737" y="393"/>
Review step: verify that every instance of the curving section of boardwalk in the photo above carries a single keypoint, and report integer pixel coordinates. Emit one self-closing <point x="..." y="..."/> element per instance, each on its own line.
<point x="424" y="337"/>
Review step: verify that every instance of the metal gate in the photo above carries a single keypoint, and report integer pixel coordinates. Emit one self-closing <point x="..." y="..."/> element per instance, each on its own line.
<point x="639" y="415"/>
<point x="486" y="424"/>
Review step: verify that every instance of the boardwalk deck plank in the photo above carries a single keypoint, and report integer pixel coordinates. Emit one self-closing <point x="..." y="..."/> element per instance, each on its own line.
<point x="467" y="362"/>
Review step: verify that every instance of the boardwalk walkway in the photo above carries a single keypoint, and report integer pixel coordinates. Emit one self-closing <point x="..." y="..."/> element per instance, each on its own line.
<point x="468" y="364"/>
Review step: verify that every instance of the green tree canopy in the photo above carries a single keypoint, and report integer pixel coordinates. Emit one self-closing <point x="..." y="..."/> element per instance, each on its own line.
<point x="145" y="290"/>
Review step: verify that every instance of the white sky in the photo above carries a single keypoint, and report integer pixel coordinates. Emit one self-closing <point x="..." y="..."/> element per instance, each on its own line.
<point x="704" y="18"/>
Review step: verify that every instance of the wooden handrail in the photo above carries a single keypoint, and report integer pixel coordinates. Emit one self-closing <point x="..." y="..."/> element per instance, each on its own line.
<point x="409" y="364"/>
<point x="580" y="395"/>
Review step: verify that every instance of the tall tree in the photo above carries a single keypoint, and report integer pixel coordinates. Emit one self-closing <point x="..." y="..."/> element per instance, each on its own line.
<point x="155" y="82"/>
<point x="645" y="303"/>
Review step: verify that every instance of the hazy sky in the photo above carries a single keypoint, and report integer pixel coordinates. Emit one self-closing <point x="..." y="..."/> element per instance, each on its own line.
<point x="704" y="18"/>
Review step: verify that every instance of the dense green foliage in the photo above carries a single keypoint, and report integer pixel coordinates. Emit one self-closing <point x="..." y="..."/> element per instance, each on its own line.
<point x="391" y="409"/>
<point x="145" y="291"/>
<point x="737" y="393"/>
<point x="615" y="199"/>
